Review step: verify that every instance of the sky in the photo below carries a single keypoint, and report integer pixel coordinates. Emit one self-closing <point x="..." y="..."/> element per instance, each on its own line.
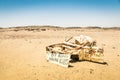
<point x="64" y="13"/>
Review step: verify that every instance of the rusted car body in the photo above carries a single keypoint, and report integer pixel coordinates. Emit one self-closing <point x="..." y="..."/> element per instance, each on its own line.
<point x="78" y="48"/>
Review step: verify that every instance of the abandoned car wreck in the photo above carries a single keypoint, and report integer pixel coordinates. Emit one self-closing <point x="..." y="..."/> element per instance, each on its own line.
<point x="78" y="48"/>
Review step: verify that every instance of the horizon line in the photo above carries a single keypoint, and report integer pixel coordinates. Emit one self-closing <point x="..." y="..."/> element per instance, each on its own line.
<point x="61" y="26"/>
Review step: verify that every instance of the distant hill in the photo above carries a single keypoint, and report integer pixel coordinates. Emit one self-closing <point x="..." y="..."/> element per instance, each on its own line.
<point x="47" y="27"/>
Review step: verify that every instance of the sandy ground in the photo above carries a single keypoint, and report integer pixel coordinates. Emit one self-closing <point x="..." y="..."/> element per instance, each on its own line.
<point x="22" y="55"/>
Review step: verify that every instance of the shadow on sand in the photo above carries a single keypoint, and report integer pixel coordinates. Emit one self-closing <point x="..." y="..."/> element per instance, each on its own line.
<point x="102" y="63"/>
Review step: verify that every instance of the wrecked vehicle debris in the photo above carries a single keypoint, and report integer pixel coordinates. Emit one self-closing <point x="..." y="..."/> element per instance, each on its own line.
<point x="74" y="49"/>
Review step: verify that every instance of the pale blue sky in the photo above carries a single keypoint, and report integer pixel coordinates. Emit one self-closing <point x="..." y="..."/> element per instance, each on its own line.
<point x="104" y="13"/>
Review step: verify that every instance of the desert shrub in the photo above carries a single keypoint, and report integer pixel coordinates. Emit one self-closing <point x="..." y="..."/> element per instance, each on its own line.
<point x="43" y="29"/>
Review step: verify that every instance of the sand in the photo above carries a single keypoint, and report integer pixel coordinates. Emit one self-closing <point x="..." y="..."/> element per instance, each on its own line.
<point x="23" y="55"/>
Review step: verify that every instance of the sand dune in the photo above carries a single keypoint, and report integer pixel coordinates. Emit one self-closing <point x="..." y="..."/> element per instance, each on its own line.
<point x="22" y="54"/>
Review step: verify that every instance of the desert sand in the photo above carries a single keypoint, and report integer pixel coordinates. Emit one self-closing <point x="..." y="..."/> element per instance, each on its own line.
<point x="23" y="54"/>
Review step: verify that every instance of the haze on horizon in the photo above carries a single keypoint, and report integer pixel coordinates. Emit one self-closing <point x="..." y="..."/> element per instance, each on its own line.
<point x="64" y="13"/>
